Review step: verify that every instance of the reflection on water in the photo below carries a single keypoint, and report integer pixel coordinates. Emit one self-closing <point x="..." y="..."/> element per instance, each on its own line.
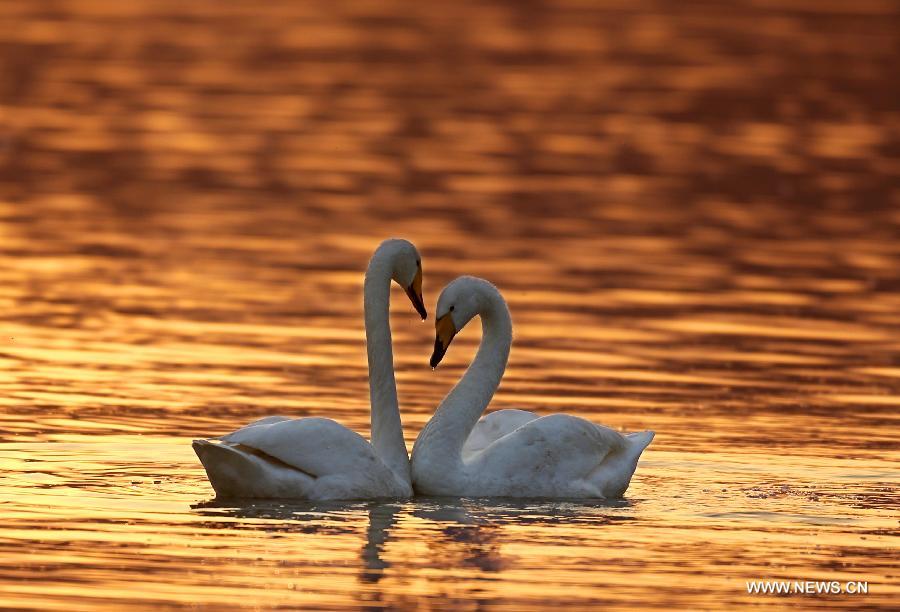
<point x="87" y="517"/>
<point x="692" y="210"/>
<point x="290" y="517"/>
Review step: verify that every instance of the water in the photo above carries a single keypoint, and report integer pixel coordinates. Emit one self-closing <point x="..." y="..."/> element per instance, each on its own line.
<point x="692" y="210"/>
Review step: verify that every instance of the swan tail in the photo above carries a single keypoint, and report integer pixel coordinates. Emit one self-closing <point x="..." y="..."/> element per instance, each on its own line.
<point x="637" y="442"/>
<point x="227" y="468"/>
<point x="613" y="476"/>
<point x="235" y="473"/>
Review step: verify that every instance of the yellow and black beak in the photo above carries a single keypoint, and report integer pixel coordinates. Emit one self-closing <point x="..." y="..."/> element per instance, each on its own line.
<point x="414" y="291"/>
<point x="444" y="331"/>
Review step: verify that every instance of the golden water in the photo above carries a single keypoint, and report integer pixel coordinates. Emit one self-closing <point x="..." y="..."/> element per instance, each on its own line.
<point x="693" y="213"/>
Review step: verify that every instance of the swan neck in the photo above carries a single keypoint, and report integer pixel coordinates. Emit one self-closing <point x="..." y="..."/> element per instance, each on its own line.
<point x="386" y="427"/>
<point x="446" y="433"/>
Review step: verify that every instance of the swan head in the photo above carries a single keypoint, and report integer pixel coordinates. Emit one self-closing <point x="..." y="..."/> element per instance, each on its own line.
<point x="406" y="271"/>
<point x="458" y="304"/>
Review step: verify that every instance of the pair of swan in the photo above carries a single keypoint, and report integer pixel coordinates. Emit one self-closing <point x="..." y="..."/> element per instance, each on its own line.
<point x="510" y="453"/>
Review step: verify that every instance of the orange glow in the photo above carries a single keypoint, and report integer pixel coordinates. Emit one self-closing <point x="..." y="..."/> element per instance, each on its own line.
<point x="692" y="211"/>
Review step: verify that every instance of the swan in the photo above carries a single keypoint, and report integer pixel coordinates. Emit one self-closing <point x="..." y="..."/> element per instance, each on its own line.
<point x="316" y="458"/>
<point x="511" y="453"/>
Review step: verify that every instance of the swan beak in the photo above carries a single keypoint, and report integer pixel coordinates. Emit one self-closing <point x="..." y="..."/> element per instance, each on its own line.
<point x="444" y="332"/>
<point x="414" y="291"/>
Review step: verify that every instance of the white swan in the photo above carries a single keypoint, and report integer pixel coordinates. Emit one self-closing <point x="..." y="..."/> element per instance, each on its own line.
<point x="510" y="452"/>
<point x="316" y="458"/>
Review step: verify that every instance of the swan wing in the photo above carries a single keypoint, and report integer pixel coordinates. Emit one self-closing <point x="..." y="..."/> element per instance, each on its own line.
<point x="493" y="426"/>
<point x="269" y="420"/>
<point x="316" y="446"/>
<point x="546" y="456"/>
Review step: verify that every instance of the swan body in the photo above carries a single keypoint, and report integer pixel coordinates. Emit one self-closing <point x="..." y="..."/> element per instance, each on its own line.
<point x="317" y="458"/>
<point x="510" y="453"/>
<point x="311" y="458"/>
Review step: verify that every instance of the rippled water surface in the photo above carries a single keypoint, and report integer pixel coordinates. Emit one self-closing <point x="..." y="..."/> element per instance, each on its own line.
<point x="693" y="211"/>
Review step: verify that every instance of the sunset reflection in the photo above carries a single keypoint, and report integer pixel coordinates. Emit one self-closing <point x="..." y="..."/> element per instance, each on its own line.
<point x="693" y="211"/>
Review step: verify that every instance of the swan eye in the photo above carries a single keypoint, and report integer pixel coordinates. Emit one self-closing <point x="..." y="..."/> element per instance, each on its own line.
<point x="451" y="308"/>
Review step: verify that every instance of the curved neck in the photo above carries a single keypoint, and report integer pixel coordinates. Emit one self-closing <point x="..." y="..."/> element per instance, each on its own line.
<point x="449" y="428"/>
<point x="387" y="430"/>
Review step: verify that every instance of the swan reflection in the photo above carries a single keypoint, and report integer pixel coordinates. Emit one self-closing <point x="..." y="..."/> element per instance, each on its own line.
<point x="328" y="518"/>
<point x="460" y="532"/>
